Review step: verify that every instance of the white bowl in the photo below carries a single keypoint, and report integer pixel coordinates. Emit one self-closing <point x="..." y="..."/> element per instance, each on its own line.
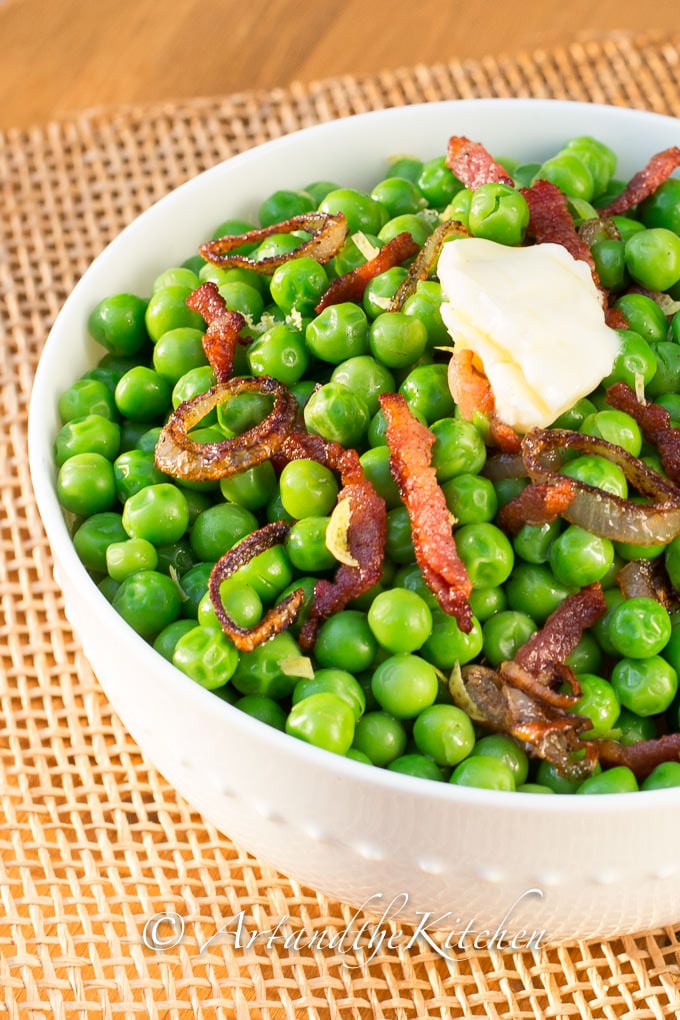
<point x="458" y="857"/>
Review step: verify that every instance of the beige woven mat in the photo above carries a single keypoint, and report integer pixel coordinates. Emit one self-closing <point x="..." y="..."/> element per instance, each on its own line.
<point x="94" y="842"/>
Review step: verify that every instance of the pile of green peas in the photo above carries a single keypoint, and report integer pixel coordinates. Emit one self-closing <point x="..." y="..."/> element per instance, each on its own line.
<point x="374" y="688"/>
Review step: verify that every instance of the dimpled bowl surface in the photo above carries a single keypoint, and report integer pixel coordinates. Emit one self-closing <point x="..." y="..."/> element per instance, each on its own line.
<point x="566" y="866"/>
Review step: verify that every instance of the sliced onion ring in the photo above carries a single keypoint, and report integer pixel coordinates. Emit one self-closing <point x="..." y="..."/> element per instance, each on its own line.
<point x="177" y="454"/>
<point x="425" y="262"/>
<point x="276" y="619"/>
<point x="600" y="512"/>
<point x="328" y="231"/>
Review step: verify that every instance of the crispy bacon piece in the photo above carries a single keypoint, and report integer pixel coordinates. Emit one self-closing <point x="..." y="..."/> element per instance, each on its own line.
<point x="276" y="619"/>
<point x="365" y="536"/>
<point x="351" y="286"/>
<point x="562" y="631"/>
<point x="222" y="334"/>
<point x="538" y="503"/>
<point x="655" y="422"/>
<point x="615" y="318"/>
<point x="509" y="702"/>
<point x="645" y="182"/>
<point x="472" y="392"/>
<point x="410" y="444"/>
<point x="473" y="164"/>
<point x="328" y="231"/>
<point x="643" y="757"/>
<point x="179" y="455"/>
<point x="550" y="221"/>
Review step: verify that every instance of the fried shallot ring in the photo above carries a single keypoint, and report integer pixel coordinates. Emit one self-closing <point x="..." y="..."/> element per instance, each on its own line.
<point x="351" y="286"/>
<point x="328" y="231"/>
<point x="596" y="510"/>
<point x="426" y="261"/>
<point x="473" y="165"/>
<point x="222" y="335"/>
<point x="410" y="445"/>
<point x="276" y="619"/>
<point x="645" y="182"/>
<point x="177" y="454"/>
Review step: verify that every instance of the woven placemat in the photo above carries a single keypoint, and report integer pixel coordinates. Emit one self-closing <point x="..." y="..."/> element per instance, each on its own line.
<point x="95" y="843"/>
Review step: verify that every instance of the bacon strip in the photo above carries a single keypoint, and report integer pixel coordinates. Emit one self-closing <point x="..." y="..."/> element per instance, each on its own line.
<point x="643" y="757"/>
<point x="276" y="619"/>
<point x="473" y="164"/>
<point x="562" y="631"/>
<point x="645" y="182"/>
<point x="655" y="422"/>
<point x="351" y="286"/>
<point x="365" y="536"/>
<point x="472" y="392"/>
<point x="222" y="334"/>
<point x="550" y="221"/>
<point x="410" y="444"/>
<point x="538" y="503"/>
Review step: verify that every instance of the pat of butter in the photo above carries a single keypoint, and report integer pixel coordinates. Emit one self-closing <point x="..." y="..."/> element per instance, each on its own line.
<point x="533" y="316"/>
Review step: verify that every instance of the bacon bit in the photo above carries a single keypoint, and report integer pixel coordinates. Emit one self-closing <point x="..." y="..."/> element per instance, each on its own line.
<point x="351" y="286"/>
<point x="410" y="444"/>
<point x="177" y="454"/>
<point x="509" y="702"/>
<point x="426" y="261"/>
<point x="365" y="535"/>
<point x="328" y="231"/>
<point x="655" y="422"/>
<point x="643" y="757"/>
<point x="538" y="503"/>
<point x="222" y="334"/>
<point x="645" y="182"/>
<point x="550" y="221"/>
<point x="562" y="631"/>
<point x="473" y="165"/>
<point x="615" y="319"/>
<point x="276" y="619"/>
<point x="472" y="392"/>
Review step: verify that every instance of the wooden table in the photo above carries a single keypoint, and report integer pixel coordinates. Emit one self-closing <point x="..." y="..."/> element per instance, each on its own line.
<point x="66" y="56"/>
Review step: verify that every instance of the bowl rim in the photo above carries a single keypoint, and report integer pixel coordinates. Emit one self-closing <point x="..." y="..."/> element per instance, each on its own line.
<point x="62" y="549"/>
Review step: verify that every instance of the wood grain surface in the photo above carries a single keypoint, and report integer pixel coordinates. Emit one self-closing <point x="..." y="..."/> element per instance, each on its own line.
<point x="63" y="56"/>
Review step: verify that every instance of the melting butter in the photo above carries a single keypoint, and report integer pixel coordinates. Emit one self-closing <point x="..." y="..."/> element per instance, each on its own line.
<point x="534" y="318"/>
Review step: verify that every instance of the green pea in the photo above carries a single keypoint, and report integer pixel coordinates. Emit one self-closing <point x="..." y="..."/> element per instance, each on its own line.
<point x="499" y="213"/>
<point x="125" y="558"/>
<point x="177" y="352"/>
<point x="662" y="208"/>
<point x="267" y="669"/>
<point x="283" y="204"/>
<point x="242" y="412"/>
<point x="381" y="737"/>
<point x="567" y="172"/>
<point x="338" y="332"/>
<point x="532" y="542"/>
<point x="548" y="775"/>
<point x="598" y="472"/>
<point x="615" y="427"/>
<point x="578" y="558"/>
<point x="297" y="285"/>
<point x="644" y="316"/>
<point x="363" y="212"/>
<point x="485" y="772"/>
<point x="610" y="263"/>
<point x="263" y="708"/>
<point x="507" y="750"/>
<point x="458" y="208"/>
<point x="632" y="728"/>
<point x="404" y="685"/>
<point x="280" y="352"/>
<point x="338" y="414"/>
<point x="86" y="484"/>
<point x="437" y="182"/>
<point x="444" y="733"/>
<point x="426" y="389"/>
<point x="470" y="498"/>
<point x="94" y="536"/>
<point x="425" y="305"/>
<point x="366" y="377"/>
<point x="486" y="552"/>
<point x="639" y="628"/>
<point x="195" y="381"/>
<point x="165" y="642"/>
<point x="117" y="323"/>
<point x="193" y="586"/>
<point x="412" y="223"/>
<point x="486" y="602"/>
<point x="587" y="656"/>
<point x="252" y="488"/>
<point x="175" y="557"/>
<point x="399" y="537"/>
<point x="576" y="415"/>
<point x="416" y="765"/>
<point x="458" y="449"/>
<point x="667" y="376"/>
<point x="653" y="258"/>
<point x="319" y="189"/>
<point x="376" y="466"/>
<point x="158" y="513"/>
<point x="269" y="573"/>
<point x="207" y="656"/>
<point x="178" y="276"/>
<point x="398" y="195"/>
<point x="504" y="633"/>
<point x="400" y="621"/>
<point x="397" y="340"/>
<point x="346" y="641"/>
<point x="597" y="157"/>
<point x="448" y="644"/>
<point x="535" y="591"/>
<point x="645" y="686"/>
<point x="307" y="488"/>
<point x="91" y="434"/>
<point x="148" y="601"/>
<point x="279" y="244"/>
<point x="405" y="166"/>
<point x="598" y="701"/>
<point x="334" y="681"/>
<point x="352" y="255"/>
<point x="635" y="359"/>
<point x="306" y="545"/>
<point x="219" y="528"/>
<point x="381" y="289"/>
<point x="85" y="397"/>
<point x="615" y="780"/>
<point x="143" y="394"/>
<point x="663" y="776"/>
<point x="167" y="309"/>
